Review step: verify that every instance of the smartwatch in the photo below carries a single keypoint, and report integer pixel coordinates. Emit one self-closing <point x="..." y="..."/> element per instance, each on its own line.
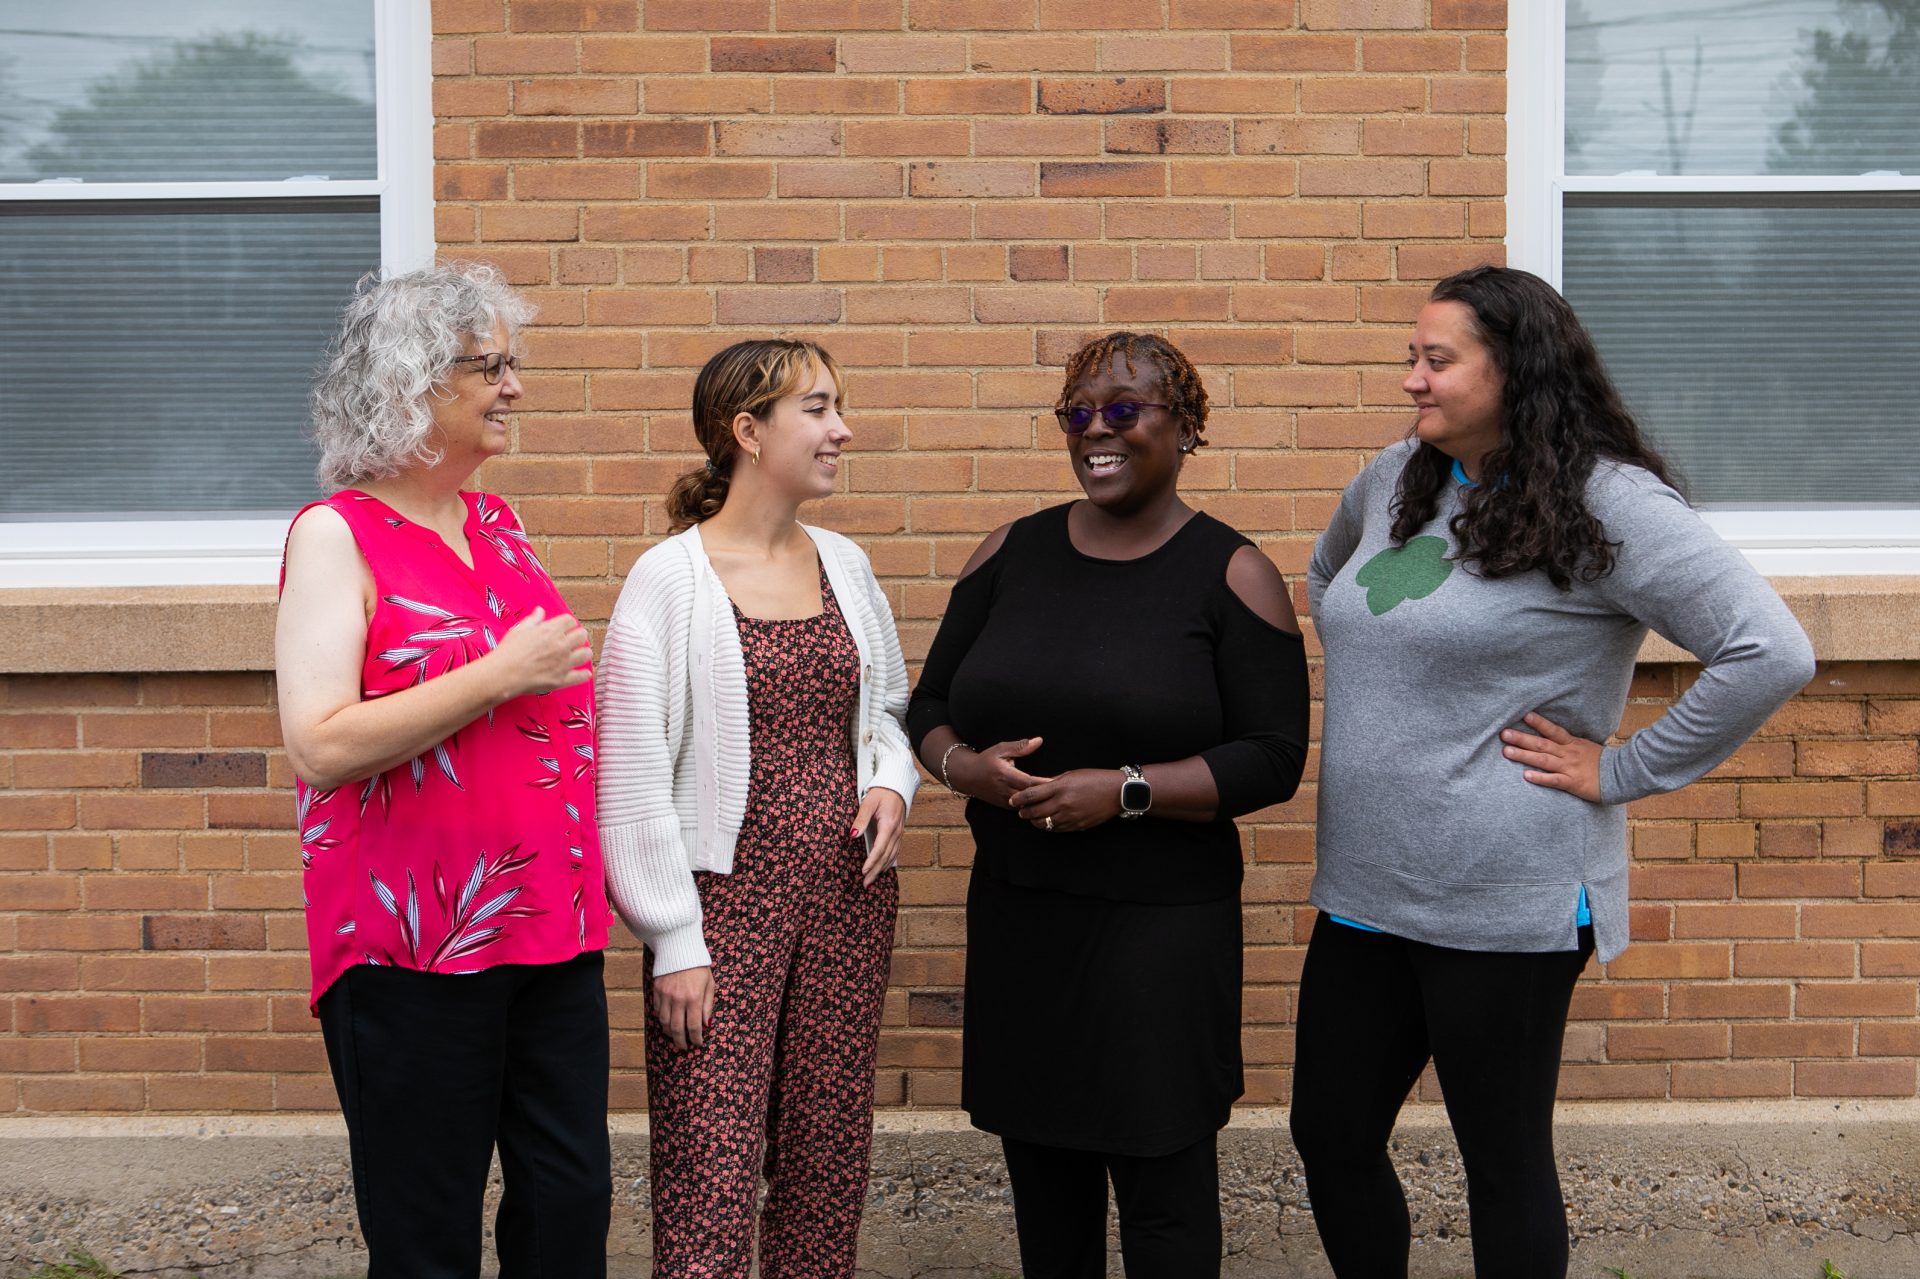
<point x="1136" y="792"/>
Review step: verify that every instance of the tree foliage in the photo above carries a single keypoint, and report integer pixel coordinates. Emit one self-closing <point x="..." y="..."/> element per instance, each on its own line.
<point x="1859" y="97"/>
<point x="226" y="107"/>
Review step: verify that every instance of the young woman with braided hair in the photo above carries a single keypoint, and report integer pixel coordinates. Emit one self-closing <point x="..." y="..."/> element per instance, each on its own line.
<point x="755" y="778"/>
<point x="1115" y="680"/>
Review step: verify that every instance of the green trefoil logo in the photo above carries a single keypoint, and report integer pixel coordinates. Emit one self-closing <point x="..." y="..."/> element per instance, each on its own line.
<point x="1402" y="573"/>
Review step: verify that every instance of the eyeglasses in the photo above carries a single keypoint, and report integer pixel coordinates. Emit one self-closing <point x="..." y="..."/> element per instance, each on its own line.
<point x="491" y="364"/>
<point x="1119" y="416"/>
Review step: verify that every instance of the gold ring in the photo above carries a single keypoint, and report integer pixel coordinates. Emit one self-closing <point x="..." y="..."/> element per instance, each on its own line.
<point x="1047" y="822"/>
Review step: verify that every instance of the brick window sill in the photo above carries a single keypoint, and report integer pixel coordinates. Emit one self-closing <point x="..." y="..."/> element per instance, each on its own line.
<point x="1849" y="619"/>
<point x="47" y="631"/>
<point x="230" y="628"/>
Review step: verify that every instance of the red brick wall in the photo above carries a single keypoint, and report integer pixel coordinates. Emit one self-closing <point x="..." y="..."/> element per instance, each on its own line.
<point x="152" y="952"/>
<point x="951" y="194"/>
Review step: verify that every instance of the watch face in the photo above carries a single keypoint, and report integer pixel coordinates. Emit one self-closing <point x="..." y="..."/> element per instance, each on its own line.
<point x="1136" y="796"/>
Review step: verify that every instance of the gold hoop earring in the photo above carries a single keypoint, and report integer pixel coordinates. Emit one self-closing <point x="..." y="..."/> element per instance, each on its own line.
<point x="755" y="455"/>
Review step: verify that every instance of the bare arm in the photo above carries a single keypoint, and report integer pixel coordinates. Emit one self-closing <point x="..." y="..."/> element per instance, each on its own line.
<point x="1082" y="798"/>
<point x="320" y="641"/>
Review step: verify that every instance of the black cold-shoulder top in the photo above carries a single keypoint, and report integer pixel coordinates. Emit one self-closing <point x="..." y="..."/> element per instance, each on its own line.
<point x="1117" y="662"/>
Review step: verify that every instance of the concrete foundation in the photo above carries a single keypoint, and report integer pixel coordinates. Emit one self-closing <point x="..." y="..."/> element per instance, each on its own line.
<point x="1675" y="1191"/>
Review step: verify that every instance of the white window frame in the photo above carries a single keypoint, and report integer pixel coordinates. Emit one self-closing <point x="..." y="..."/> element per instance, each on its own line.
<point x="217" y="551"/>
<point x="1786" y="541"/>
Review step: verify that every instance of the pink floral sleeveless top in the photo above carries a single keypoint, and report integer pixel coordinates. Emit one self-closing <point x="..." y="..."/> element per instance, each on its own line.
<point x="483" y="850"/>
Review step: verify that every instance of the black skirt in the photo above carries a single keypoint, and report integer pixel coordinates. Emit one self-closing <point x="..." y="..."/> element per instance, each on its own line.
<point x="1091" y="1024"/>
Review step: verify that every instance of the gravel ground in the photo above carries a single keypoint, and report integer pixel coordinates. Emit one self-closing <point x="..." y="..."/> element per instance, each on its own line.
<point x="1664" y="1192"/>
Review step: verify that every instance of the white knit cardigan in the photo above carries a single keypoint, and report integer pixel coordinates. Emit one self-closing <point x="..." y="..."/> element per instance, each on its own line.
<point x="673" y="752"/>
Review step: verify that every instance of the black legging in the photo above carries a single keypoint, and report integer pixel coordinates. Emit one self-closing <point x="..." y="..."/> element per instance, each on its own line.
<point x="1169" y="1211"/>
<point x="1373" y="1009"/>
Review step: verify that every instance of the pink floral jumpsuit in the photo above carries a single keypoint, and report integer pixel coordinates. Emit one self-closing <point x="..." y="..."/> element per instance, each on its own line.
<point x="784" y="1084"/>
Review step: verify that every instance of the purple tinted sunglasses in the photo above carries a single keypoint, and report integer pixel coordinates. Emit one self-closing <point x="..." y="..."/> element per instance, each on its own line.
<point x="1120" y="415"/>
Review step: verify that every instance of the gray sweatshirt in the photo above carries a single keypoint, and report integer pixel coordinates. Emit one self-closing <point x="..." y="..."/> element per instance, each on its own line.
<point x="1425" y="829"/>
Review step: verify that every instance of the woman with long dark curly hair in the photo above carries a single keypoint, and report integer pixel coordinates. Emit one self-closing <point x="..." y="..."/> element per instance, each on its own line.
<point x="1480" y="596"/>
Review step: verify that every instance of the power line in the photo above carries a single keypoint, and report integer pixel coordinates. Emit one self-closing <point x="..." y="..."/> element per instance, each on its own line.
<point x="1741" y="9"/>
<point x="105" y="37"/>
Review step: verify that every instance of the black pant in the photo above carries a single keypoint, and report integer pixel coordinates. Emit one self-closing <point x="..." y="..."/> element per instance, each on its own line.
<point x="1169" y="1211"/>
<point x="432" y="1070"/>
<point x="1373" y="1009"/>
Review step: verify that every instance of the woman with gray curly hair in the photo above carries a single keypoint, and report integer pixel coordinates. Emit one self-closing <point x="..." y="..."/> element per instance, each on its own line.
<point x="437" y="704"/>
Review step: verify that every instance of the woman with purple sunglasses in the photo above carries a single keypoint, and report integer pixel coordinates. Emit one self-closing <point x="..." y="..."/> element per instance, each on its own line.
<point x="1115" y="680"/>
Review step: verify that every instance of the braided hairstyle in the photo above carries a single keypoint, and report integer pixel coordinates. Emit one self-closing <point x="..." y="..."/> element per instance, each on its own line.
<point x="1180" y="383"/>
<point x="747" y="377"/>
<point x="1559" y="415"/>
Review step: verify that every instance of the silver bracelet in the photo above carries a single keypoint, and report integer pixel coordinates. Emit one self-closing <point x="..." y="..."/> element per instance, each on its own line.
<point x="944" y="779"/>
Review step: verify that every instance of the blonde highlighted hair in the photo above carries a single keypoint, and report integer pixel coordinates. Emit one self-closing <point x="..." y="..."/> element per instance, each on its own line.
<point x="747" y="377"/>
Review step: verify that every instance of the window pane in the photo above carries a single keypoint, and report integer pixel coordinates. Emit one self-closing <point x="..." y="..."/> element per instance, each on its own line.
<point x="1755" y="87"/>
<point x="189" y="90"/>
<point x="158" y="357"/>
<point x="1770" y="350"/>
